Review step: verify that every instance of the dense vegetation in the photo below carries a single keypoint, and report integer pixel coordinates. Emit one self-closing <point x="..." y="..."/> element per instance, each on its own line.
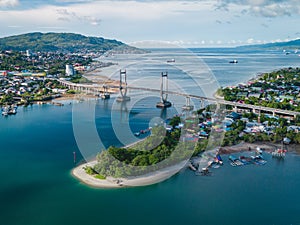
<point x="146" y="156"/>
<point x="53" y="42"/>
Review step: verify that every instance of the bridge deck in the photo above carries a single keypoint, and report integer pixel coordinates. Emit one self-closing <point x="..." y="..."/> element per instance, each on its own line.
<point x="219" y="101"/>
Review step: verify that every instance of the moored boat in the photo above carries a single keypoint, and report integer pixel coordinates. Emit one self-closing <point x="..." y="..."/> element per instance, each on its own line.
<point x="235" y="161"/>
<point x="246" y="160"/>
<point x="259" y="160"/>
<point x="4" y="113"/>
<point x="9" y="110"/>
<point x="204" y="172"/>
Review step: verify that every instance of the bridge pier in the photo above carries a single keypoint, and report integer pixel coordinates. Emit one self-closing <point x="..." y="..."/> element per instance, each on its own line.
<point x="123" y="90"/>
<point x="105" y="94"/>
<point x="188" y="106"/>
<point x="164" y="103"/>
<point x="202" y="105"/>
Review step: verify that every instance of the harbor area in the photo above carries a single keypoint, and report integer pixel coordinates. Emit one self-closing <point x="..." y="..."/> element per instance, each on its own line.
<point x="243" y="154"/>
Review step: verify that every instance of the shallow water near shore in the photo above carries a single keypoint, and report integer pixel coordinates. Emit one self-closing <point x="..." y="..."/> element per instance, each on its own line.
<point x="36" y="158"/>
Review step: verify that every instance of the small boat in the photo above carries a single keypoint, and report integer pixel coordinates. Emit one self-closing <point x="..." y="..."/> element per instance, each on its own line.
<point x="235" y="161"/>
<point x="12" y="110"/>
<point x="259" y="160"/>
<point x="57" y="103"/>
<point x="259" y="151"/>
<point x="203" y="172"/>
<point x="170" y="60"/>
<point x="192" y="167"/>
<point x="246" y="160"/>
<point x="233" y="61"/>
<point x="4" y="113"/>
<point x="219" y="158"/>
<point x="213" y="164"/>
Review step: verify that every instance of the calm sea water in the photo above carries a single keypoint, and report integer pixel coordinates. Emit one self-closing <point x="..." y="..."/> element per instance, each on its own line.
<point x="36" y="158"/>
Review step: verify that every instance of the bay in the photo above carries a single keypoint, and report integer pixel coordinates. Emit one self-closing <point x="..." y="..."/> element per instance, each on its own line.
<point x="36" y="159"/>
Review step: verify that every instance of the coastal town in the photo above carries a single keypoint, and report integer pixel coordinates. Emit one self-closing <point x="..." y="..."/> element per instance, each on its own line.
<point x="27" y="77"/>
<point x="277" y="89"/>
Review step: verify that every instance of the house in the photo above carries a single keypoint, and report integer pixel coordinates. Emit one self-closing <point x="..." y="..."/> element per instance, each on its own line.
<point x="234" y="116"/>
<point x="256" y="95"/>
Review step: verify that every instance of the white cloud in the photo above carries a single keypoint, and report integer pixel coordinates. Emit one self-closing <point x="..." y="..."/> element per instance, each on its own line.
<point x="8" y="3"/>
<point x="250" y="41"/>
<point x="182" y="22"/>
<point x="264" y="8"/>
<point x="68" y="16"/>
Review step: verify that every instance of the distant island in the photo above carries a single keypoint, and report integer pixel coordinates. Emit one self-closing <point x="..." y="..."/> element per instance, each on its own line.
<point x="293" y="45"/>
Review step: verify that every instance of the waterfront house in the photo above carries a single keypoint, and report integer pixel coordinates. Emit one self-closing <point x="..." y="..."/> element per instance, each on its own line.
<point x="255" y="95"/>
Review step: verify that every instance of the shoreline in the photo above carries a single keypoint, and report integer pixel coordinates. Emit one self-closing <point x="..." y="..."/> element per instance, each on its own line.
<point x="138" y="181"/>
<point x="163" y="174"/>
<point x="245" y="146"/>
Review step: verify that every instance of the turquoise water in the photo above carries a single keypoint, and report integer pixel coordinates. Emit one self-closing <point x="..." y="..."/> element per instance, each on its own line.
<point x="37" y="188"/>
<point x="36" y="158"/>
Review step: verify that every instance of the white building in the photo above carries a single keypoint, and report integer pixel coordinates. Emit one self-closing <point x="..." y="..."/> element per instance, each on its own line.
<point x="70" y="70"/>
<point x="28" y="53"/>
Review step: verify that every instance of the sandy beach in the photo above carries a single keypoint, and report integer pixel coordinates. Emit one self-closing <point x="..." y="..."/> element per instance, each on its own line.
<point x="159" y="175"/>
<point x="110" y="182"/>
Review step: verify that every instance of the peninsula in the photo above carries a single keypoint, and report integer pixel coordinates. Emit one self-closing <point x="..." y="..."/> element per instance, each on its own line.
<point x="159" y="156"/>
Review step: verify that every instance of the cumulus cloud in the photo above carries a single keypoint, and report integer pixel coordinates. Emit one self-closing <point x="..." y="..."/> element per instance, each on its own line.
<point x="66" y="15"/>
<point x="8" y="3"/>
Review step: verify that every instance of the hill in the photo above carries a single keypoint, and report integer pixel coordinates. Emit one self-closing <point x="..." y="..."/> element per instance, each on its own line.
<point x="294" y="44"/>
<point x="60" y="42"/>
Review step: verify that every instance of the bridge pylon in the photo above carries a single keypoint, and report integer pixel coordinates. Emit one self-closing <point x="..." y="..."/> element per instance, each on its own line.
<point x="164" y="103"/>
<point x="105" y="94"/>
<point x="202" y="104"/>
<point x="188" y="106"/>
<point x="123" y="87"/>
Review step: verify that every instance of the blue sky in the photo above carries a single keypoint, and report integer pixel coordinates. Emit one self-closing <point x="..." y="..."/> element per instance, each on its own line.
<point x="184" y="22"/>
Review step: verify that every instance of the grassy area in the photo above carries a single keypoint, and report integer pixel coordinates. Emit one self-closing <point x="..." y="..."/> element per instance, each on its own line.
<point x="100" y="177"/>
<point x="80" y="80"/>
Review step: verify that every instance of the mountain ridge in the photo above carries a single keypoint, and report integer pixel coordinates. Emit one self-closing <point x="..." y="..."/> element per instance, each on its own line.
<point x="276" y="45"/>
<point x="61" y="42"/>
